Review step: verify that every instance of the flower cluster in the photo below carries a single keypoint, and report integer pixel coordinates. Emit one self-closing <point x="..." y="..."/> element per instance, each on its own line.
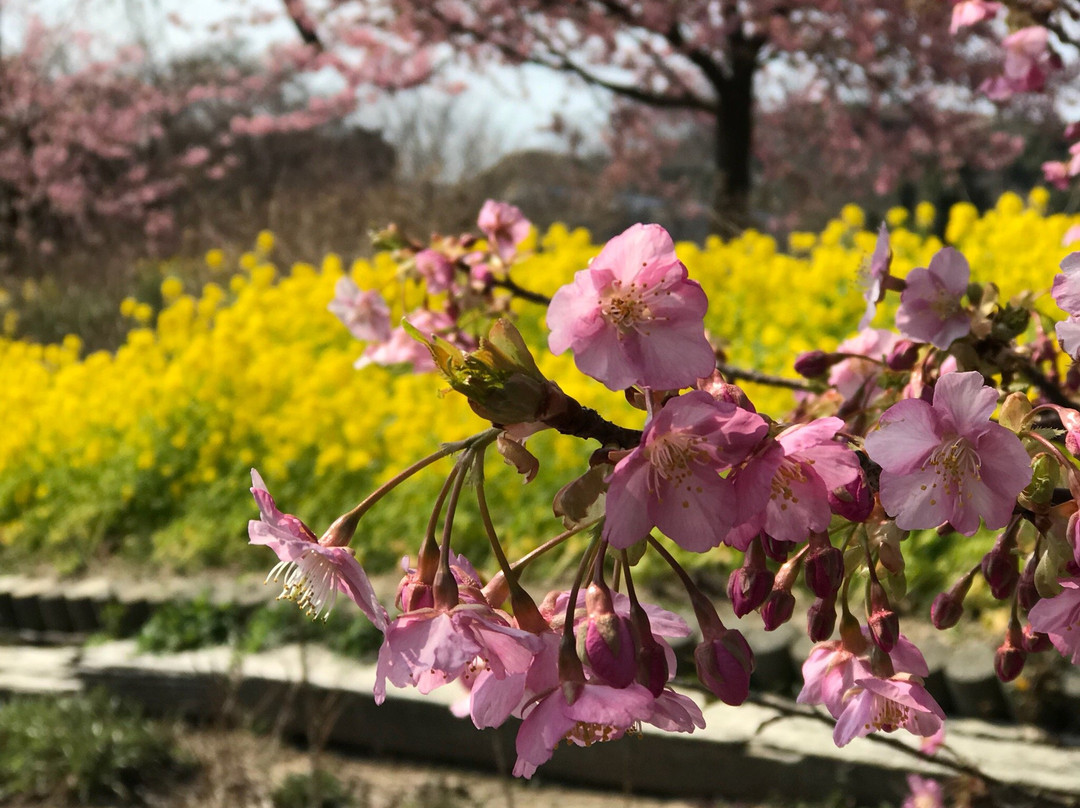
<point x="892" y="432"/>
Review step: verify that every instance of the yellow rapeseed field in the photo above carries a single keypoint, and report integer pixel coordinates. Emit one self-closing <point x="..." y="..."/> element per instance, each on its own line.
<point x="145" y="452"/>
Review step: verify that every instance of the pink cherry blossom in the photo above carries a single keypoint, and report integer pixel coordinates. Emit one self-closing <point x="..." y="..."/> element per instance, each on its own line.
<point x="428" y="648"/>
<point x="1059" y="618"/>
<point x="364" y="312"/>
<point x="880" y="262"/>
<point x="899" y="702"/>
<point x="402" y="349"/>
<point x="855" y="377"/>
<point x="923" y="793"/>
<point x="947" y="462"/>
<point x="633" y="317"/>
<point x="970" y="12"/>
<point x="1066" y="288"/>
<point x="436" y="269"/>
<point x="672" y="479"/>
<point x="314" y="570"/>
<point x="1072" y="235"/>
<point x="505" y="227"/>
<point x="831" y="669"/>
<point x="798" y="470"/>
<point x="1066" y="293"/>
<point x="581" y="714"/>
<point x="1027" y="62"/>
<point x="930" y="308"/>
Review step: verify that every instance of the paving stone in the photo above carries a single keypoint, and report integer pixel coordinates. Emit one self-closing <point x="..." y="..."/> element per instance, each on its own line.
<point x="31" y="669"/>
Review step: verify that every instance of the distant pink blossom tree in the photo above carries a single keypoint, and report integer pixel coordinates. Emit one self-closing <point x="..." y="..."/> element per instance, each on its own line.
<point x="888" y="87"/>
<point x="93" y="134"/>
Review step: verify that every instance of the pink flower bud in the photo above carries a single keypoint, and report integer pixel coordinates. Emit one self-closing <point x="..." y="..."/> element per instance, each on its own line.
<point x="824" y="570"/>
<point x="999" y="567"/>
<point x="1010" y="656"/>
<point x="777" y="609"/>
<point x="903" y="355"/>
<point x="821" y="619"/>
<point x="605" y="641"/>
<point x="853" y="501"/>
<point x="724" y="664"/>
<point x="813" y="364"/>
<point x="1027" y="594"/>
<point x="749" y="585"/>
<point x="723" y="390"/>
<point x="1035" y="642"/>
<point x="775" y="549"/>
<point x="948" y="607"/>
<point x="946" y="611"/>
<point x="883" y="622"/>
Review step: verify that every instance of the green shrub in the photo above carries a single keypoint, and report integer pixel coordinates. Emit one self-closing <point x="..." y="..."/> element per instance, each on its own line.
<point x="81" y="748"/>
<point x="318" y="789"/>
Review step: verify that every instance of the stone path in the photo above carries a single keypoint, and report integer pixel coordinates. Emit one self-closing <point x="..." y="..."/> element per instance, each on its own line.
<point x="763" y="750"/>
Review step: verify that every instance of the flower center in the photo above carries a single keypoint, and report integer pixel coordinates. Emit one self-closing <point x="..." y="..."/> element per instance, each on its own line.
<point x="888" y="715"/>
<point x="310" y="581"/>
<point x="586" y="733"/>
<point x="672" y="455"/>
<point x="625" y="308"/>
<point x="953" y="463"/>
<point x="790" y="471"/>
<point x="945" y="305"/>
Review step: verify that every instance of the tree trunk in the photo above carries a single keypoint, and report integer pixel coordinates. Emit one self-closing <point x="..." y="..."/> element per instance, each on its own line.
<point x="734" y="139"/>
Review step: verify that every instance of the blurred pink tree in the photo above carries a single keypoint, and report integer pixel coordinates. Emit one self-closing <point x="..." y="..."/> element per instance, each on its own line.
<point x="89" y="141"/>
<point x="876" y="87"/>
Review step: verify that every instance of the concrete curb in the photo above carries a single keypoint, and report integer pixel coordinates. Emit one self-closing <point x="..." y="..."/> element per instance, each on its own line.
<point x="753" y="752"/>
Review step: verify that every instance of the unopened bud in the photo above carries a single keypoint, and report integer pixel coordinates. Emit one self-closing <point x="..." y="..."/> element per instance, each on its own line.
<point x="903" y="356"/>
<point x="722" y="390"/>
<point x="824" y="570"/>
<point x="1035" y="642"/>
<point x="946" y="611"/>
<point x="948" y="607"/>
<point x="883" y="622"/>
<point x="724" y="664"/>
<point x="775" y="549"/>
<point x="1010" y="657"/>
<point x="605" y="642"/>
<point x="749" y="585"/>
<point x="821" y="619"/>
<point x="999" y="567"/>
<point x="1027" y="593"/>
<point x="652" y="664"/>
<point x="853" y="501"/>
<point x="814" y="364"/>
<point x="777" y="609"/>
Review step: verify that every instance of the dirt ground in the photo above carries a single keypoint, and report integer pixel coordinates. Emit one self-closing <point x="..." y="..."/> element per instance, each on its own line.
<point x="241" y="770"/>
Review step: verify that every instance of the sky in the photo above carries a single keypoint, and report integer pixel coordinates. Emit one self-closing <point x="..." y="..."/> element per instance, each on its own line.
<point x="502" y="111"/>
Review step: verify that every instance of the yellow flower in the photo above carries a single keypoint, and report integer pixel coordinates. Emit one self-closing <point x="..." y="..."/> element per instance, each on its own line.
<point x="171" y="288"/>
<point x="853" y="216"/>
<point x="1039" y="198"/>
<point x="215" y="258"/>
<point x="896" y="216"/>
<point x="264" y="242"/>
<point x="127" y="306"/>
<point x="925" y="213"/>
<point x="142" y="312"/>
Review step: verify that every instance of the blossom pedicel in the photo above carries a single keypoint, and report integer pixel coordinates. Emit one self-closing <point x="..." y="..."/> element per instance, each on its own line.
<point x="900" y="436"/>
